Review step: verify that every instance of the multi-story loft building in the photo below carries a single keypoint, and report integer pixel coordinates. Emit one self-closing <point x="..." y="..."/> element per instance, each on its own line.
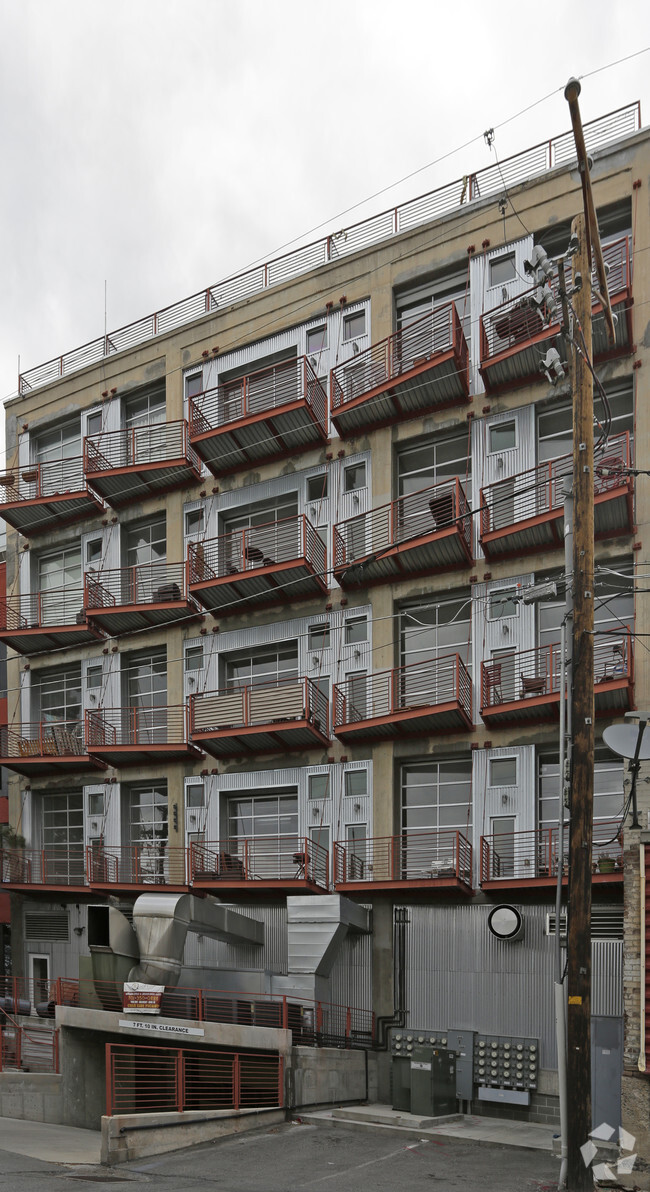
<point x="265" y="563"/>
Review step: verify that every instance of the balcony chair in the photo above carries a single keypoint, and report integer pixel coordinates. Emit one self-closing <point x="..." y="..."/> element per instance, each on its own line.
<point x="532" y="685"/>
<point x="442" y="510"/>
<point x="614" y="666"/>
<point x="166" y="593"/>
<point x="492" y="676"/>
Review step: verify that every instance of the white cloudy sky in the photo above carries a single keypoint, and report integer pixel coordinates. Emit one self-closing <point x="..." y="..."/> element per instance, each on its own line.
<point x="162" y="145"/>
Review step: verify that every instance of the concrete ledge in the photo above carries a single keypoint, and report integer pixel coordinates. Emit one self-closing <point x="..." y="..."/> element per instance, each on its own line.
<point x="232" y="1036"/>
<point x="31" y="1096"/>
<point x="135" y="1135"/>
<point x="383" y="1116"/>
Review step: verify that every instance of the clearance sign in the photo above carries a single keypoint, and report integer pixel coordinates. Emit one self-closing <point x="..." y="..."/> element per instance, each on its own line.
<point x="142" y="999"/>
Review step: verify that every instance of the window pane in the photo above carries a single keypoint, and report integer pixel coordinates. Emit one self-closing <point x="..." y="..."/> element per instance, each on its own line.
<point x="356" y="630"/>
<point x="355" y="477"/>
<point x="503" y="436"/>
<point x="195" y="794"/>
<point x="503" y="604"/>
<point x="503" y="771"/>
<point x="319" y="786"/>
<point x="316" y="339"/>
<point x="194" y="521"/>
<point x="96" y="804"/>
<point x="356" y="783"/>
<point x="319" y="636"/>
<point x="354" y="325"/>
<point x="193" y="658"/>
<point x="502" y="269"/>
<point x="317" y="487"/>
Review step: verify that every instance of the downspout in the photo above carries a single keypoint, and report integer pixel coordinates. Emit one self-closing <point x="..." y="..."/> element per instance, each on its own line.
<point x="642" y="1062"/>
<point x="398" y="1017"/>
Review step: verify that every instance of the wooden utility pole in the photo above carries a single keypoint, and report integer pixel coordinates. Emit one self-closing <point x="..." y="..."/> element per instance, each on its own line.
<point x="580" y="1177"/>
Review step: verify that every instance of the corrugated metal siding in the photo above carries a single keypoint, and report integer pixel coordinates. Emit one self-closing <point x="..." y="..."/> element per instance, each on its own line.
<point x="459" y="975"/>
<point x="351" y="976"/>
<point x="201" y="952"/>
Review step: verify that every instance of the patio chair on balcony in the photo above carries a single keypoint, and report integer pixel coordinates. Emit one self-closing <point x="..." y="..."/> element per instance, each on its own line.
<point x="533" y="685"/>
<point x="442" y="510"/>
<point x="492" y="676"/>
<point x="613" y="665"/>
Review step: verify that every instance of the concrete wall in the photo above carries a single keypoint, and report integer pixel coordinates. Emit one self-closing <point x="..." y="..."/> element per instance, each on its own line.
<point x="133" y="1136"/>
<point x="329" y="1076"/>
<point x="32" y="1097"/>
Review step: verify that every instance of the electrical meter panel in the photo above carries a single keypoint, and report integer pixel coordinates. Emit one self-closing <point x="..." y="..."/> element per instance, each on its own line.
<point x="404" y="1042"/>
<point x="506" y="1062"/>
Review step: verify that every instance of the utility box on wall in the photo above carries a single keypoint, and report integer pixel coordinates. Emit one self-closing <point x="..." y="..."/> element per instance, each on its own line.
<point x="433" y="1081"/>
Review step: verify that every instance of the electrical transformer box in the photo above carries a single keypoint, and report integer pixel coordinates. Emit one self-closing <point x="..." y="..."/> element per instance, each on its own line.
<point x="433" y="1081"/>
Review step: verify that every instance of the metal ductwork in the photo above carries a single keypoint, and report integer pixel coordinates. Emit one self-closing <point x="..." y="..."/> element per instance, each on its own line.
<point x="317" y="926"/>
<point x="162" y="921"/>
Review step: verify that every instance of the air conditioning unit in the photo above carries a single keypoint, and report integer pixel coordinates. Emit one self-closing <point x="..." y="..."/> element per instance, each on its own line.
<point x="606" y="923"/>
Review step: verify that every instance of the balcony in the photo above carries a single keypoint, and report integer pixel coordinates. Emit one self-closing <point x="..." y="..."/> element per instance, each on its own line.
<point x="514" y="336"/>
<point x="38" y="621"/>
<point x="285" y="864"/>
<point x="421" y="368"/>
<point x="276" y="563"/>
<point x="130" y="598"/>
<point x="523" y="860"/>
<point x="277" y="411"/>
<point x="428" y="861"/>
<point x="38" y="498"/>
<point x="39" y="747"/>
<point x="261" y="718"/>
<point x="418" y="534"/>
<point x="139" y="735"/>
<point x="425" y="697"/>
<point x="524" y="514"/>
<point x="47" y="869"/>
<point x="128" y="465"/>
<point x="521" y="688"/>
<point x="133" y="866"/>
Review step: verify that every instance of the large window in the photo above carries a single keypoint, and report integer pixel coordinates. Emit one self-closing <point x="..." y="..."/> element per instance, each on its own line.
<point x="613" y="607"/>
<point x="269" y="813"/>
<point x="59" y="584"/>
<point x="146" y="809"/>
<point x="608" y="787"/>
<point x="146" y="678"/>
<point x="62" y="834"/>
<point x="268" y="665"/>
<point x="433" y="630"/>
<point x="145" y="409"/>
<point x="61" y="442"/>
<point x="417" y="302"/>
<point x="146" y="542"/>
<point x="56" y="695"/>
<point x="437" y="795"/>
<point x="555" y="423"/>
<point x="434" y="461"/>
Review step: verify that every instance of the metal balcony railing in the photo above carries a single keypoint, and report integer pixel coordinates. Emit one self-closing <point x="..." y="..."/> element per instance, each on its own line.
<point x="261" y="705"/>
<point x="50" y="609"/>
<point x="443" y="856"/>
<point x="274" y="859"/>
<point x="138" y="727"/>
<point x="385" y="695"/>
<point x="539" y="491"/>
<point x="43" y="739"/>
<point x="32" y="482"/>
<point x="530" y="163"/>
<point x="526" y="856"/>
<point x="436" y="509"/>
<point x="258" y="547"/>
<point x="148" y="583"/>
<point x="258" y="394"/>
<point x="435" y="334"/>
<point x="61" y="866"/>
<point x="140" y="447"/>
<point x="516" y="321"/>
<point x="176" y="1080"/>
<point x="532" y="675"/>
<point x="150" y="863"/>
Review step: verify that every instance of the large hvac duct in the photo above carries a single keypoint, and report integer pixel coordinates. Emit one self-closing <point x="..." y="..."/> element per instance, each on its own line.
<point x="162" y="921"/>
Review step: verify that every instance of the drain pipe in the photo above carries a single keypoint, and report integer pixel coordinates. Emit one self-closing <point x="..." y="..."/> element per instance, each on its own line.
<point x="398" y="1017"/>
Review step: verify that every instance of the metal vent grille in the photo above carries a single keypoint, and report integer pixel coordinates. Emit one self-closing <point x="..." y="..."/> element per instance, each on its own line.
<point x="606" y="923"/>
<point x="52" y="926"/>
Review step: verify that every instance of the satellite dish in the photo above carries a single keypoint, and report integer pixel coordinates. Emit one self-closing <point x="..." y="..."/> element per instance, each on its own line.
<point x="623" y="738"/>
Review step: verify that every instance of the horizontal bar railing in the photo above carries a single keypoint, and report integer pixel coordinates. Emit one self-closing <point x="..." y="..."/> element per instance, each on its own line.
<point x="514" y="322"/>
<point x="35" y="738"/>
<point x="47" y="609"/>
<point x="260" y="392"/>
<point x="147" y="583"/>
<point x="313" y="1023"/>
<point x="259" y="704"/>
<point x="437" y="332"/>
<point x="153" y="862"/>
<point x="28" y="1049"/>
<point x="139" y="446"/>
<point x="261" y="858"/>
<point x="417" y="685"/>
<point x="540" y="490"/>
<point x="176" y="1080"/>
<point x="532" y="674"/>
<point x="55" y="866"/>
<point x="53" y="478"/>
<point x="470" y="188"/>
<point x="136" y="726"/>
<point x="535" y="853"/>
<point x="255" y="547"/>
<point x="412" y="856"/>
<point x="425" y="512"/>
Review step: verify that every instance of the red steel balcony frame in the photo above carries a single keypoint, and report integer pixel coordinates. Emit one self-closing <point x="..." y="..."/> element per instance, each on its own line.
<point x="421" y="533"/>
<point x="277" y="562"/>
<point x="38" y="748"/>
<point x="437" y="861"/>
<point x="525" y="860"/>
<point x="261" y="718"/>
<point x="131" y="867"/>
<point x="514" y="336"/>
<point x="44" y="496"/>
<point x="129" y="736"/>
<point x="34" y="622"/>
<point x="139" y="461"/>
<point x="41" y="870"/>
<point x="124" y="599"/>
<point x="268" y="414"/>
<point x="523" y="514"/>
<point x="432" y="696"/>
<point x="272" y="863"/>
<point x="422" y="367"/>
<point x="525" y="686"/>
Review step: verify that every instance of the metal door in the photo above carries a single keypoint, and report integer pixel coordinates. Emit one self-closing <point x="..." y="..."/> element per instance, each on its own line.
<point x="606" y="1071"/>
<point x="496" y="276"/>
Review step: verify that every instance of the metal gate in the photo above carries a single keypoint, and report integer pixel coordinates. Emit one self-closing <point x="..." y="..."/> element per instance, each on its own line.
<point x="170" y="1080"/>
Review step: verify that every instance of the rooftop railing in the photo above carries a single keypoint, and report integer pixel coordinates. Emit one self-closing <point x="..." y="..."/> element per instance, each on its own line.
<point x="547" y="155"/>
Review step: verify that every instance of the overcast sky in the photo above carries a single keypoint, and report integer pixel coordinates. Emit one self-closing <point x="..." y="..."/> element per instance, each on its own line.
<point x="162" y="145"/>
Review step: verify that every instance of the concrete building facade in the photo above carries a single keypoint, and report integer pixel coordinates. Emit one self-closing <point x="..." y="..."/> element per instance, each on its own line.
<point x="265" y="565"/>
